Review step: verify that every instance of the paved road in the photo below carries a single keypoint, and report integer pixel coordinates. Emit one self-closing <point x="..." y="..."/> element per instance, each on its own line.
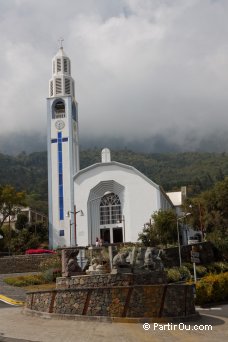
<point x="215" y="310"/>
<point x="4" y="305"/>
<point x="17" y="327"/>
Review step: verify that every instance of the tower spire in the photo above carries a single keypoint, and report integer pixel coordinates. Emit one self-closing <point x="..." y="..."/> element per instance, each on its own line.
<point x="61" y="83"/>
<point x="61" y="40"/>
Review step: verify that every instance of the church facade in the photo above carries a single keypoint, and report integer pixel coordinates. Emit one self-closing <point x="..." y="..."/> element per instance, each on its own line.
<point x="108" y="200"/>
<point x="117" y="201"/>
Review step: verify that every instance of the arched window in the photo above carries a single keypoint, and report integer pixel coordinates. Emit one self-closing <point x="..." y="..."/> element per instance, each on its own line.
<point x="110" y="209"/>
<point x="59" y="110"/>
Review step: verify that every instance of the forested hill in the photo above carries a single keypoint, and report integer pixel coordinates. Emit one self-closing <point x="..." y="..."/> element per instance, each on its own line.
<point x="198" y="171"/>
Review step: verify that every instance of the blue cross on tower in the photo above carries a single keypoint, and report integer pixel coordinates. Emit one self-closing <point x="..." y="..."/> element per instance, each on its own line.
<point x="60" y="140"/>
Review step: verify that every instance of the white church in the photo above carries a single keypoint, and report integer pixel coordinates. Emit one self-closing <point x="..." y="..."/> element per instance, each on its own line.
<point x="108" y="200"/>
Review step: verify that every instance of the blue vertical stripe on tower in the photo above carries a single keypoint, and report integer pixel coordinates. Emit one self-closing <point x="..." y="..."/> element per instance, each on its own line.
<point x="60" y="170"/>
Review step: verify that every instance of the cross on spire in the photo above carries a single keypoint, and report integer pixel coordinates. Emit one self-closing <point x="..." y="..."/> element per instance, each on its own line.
<point x="60" y="40"/>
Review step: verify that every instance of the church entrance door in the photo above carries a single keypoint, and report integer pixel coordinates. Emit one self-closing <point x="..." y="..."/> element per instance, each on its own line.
<point x="105" y="235"/>
<point x="111" y="235"/>
<point x="117" y="234"/>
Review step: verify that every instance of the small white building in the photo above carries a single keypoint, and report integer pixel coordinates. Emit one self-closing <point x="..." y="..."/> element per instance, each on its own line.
<point x="33" y="216"/>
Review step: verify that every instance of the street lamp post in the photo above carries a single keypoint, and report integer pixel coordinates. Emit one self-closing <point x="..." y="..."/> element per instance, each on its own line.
<point x="178" y="235"/>
<point x="178" y="239"/>
<point x="75" y="225"/>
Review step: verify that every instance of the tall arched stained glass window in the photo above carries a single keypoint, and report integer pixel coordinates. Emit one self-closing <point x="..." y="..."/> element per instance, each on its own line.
<point x="110" y="209"/>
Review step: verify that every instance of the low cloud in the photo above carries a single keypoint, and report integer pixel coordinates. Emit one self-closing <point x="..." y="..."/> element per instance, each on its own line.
<point x="142" y="69"/>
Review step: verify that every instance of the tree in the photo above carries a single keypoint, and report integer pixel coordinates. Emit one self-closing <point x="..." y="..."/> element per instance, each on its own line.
<point x="209" y="210"/>
<point x="22" y="221"/>
<point x="10" y="202"/>
<point x="39" y="229"/>
<point x="162" y="229"/>
<point x="24" y="240"/>
<point x="149" y="235"/>
<point x="209" y="213"/>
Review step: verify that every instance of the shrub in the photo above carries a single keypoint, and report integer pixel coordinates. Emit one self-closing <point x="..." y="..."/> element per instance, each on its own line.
<point x="212" y="288"/>
<point x="185" y="273"/>
<point x="51" y="274"/>
<point x="173" y="275"/>
<point x="217" y="267"/>
<point x="220" y="266"/>
<point x="210" y="268"/>
<point x="35" y="279"/>
<point x="189" y="266"/>
<point x="201" y="271"/>
<point x="202" y="295"/>
<point x="52" y="262"/>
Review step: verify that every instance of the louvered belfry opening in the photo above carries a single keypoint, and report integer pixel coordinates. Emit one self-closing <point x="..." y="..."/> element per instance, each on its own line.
<point x="61" y="83"/>
<point x="58" y="83"/>
<point x="67" y="86"/>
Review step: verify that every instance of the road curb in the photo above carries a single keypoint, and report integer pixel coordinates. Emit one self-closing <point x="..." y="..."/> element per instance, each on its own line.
<point x="11" y="301"/>
<point x="107" y="319"/>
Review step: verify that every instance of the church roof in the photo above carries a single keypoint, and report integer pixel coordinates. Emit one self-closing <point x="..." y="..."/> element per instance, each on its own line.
<point x="124" y="166"/>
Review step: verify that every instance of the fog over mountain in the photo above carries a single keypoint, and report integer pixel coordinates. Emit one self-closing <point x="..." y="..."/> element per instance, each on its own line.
<point x="156" y="144"/>
<point x="150" y="75"/>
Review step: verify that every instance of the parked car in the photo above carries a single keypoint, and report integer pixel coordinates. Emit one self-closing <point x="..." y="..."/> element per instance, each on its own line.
<point x="39" y="251"/>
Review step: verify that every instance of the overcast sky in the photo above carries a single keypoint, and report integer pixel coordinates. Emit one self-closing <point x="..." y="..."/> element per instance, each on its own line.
<point x="141" y="67"/>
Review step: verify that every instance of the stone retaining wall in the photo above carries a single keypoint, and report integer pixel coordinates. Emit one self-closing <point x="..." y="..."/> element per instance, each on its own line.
<point x="103" y="280"/>
<point x="22" y="263"/>
<point x="174" y="300"/>
<point x="206" y="250"/>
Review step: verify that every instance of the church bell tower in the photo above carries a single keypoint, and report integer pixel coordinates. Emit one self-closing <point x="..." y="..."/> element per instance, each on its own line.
<point x="63" y="152"/>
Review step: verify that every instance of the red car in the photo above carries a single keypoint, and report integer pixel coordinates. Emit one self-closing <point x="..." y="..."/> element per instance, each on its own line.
<point x="39" y="251"/>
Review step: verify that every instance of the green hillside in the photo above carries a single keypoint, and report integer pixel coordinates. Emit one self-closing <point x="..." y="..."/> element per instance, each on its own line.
<point x="198" y="171"/>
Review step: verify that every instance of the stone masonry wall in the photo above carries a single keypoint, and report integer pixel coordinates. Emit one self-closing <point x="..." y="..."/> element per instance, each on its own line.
<point x="174" y="300"/>
<point x="103" y="280"/>
<point x="22" y="263"/>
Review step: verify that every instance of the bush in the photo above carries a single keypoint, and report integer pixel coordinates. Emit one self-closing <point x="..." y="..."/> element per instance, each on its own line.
<point x="189" y="266"/>
<point x="201" y="271"/>
<point x="211" y="268"/>
<point x="173" y="275"/>
<point x="21" y="281"/>
<point x="53" y="262"/>
<point x="51" y="274"/>
<point x="220" y="267"/>
<point x="51" y="268"/>
<point x="185" y="273"/>
<point x="212" y="288"/>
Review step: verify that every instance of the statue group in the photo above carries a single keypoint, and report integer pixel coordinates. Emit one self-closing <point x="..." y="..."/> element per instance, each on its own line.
<point x="131" y="260"/>
<point x="140" y="259"/>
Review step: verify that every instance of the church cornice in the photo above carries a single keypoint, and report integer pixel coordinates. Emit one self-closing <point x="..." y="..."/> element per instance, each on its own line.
<point x="114" y="163"/>
<point x="124" y="166"/>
